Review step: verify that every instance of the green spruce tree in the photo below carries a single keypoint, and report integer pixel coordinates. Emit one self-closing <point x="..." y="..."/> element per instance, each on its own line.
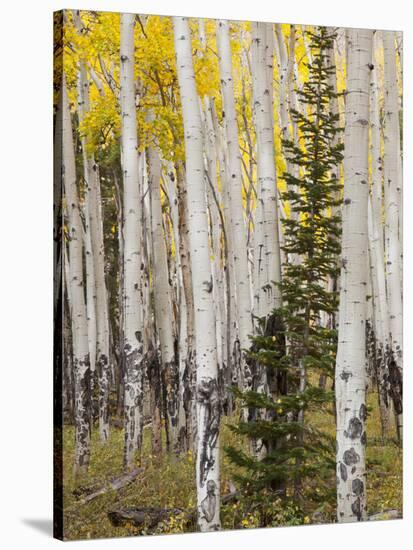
<point x="299" y="346"/>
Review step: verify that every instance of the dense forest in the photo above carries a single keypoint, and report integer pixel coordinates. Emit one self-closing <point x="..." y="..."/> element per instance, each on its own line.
<point x="228" y="274"/>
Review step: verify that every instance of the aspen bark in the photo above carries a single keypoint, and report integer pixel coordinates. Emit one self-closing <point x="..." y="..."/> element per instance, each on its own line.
<point x="267" y="260"/>
<point x="350" y="379"/>
<point x="207" y="397"/>
<point x="97" y="306"/>
<point x="132" y="229"/>
<point x="376" y="242"/>
<point x="78" y="309"/>
<point x="163" y="303"/>
<point x="188" y="374"/>
<point x="392" y="201"/>
<point x="234" y="188"/>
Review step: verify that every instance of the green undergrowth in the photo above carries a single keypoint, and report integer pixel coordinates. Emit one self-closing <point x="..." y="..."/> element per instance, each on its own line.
<point x="167" y="482"/>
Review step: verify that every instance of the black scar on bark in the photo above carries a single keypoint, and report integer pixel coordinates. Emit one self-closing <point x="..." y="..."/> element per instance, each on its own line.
<point x="208" y="504"/>
<point x="356" y="508"/>
<point x="350" y="457"/>
<point x="343" y="472"/>
<point x="363" y="412"/>
<point x="345" y="376"/>
<point x="208" y="396"/>
<point x="355" y="427"/>
<point x="353" y="469"/>
<point x="363" y="438"/>
<point x="357" y="487"/>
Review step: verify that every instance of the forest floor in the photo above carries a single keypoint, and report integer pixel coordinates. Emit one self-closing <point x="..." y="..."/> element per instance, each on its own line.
<point x="167" y="482"/>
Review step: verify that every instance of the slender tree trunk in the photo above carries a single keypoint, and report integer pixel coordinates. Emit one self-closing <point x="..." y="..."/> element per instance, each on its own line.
<point x="96" y="260"/>
<point x="267" y="260"/>
<point x="392" y="201"/>
<point x="350" y="380"/>
<point x="79" y="323"/>
<point x="132" y="230"/>
<point x="184" y="359"/>
<point x="163" y="303"/>
<point x="235" y="185"/>
<point x="207" y="397"/>
<point x="188" y="374"/>
<point x="376" y="242"/>
<point x="233" y="374"/>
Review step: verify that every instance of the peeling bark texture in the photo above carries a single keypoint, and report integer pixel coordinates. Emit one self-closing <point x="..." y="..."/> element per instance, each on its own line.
<point x="207" y="398"/>
<point x="163" y="304"/>
<point x="81" y="364"/>
<point x="350" y="380"/>
<point x="392" y="201"/>
<point x="132" y="221"/>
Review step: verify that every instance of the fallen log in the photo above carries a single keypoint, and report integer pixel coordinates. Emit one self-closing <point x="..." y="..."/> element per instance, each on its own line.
<point x="149" y="518"/>
<point x="115" y="484"/>
<point x="386" y="514"/>
<point x="142" y="517"/>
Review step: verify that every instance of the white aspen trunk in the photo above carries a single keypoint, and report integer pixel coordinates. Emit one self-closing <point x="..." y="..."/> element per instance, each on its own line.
<point x="152" y="398"/>
<point x="219" y="245"/>
<point x="392" y="201"/>
<point x="132" y="218"/>
<point x="233" y="368"/>
<point x="282" y="60"/>
<point x="102" y="306"/>
<point x="90" y="292"/>
<point x="377" y="247"/>
<point x="188" y="374"/>
<point x="380" y="327"/>
<point x="95" y="260"/>
<point x="163" y="303"/>
<point x="216" y="227"/>
<point x="207" y="396"/>
<point x="350" y="380"/>
<point x="181" y="308"/>
<point x="79" y="322"/>
<point x="267" y="260"/>
<point x="234" y="188"/>
<point x="286" y="66"/>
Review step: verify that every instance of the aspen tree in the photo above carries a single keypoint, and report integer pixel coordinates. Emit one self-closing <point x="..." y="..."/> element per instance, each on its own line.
<point x="350" y="378"/>
<point x="207" y="396"/>
<point x="392" y="201"/>
<point x="132" y="297"/>
<point x="163" y="302"/>
<point x="267" y="260"/>
<point x="234" y="189"/>
<point x="79" y="323"/>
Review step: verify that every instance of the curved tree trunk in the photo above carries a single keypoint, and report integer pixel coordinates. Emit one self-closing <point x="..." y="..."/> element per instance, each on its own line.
<point x="132" y="230"/>
<point x="350" y="380"/>
<point x="207" y="397"/>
